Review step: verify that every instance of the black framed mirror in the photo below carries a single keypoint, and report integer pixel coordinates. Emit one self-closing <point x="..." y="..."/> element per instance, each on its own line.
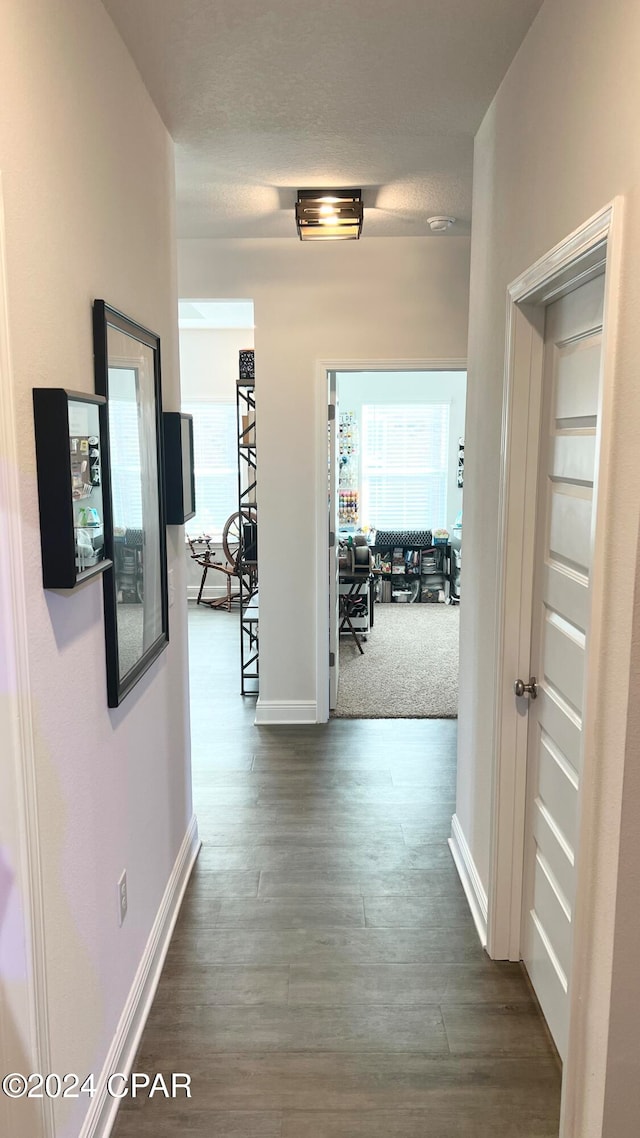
<point x="127" y="368"/>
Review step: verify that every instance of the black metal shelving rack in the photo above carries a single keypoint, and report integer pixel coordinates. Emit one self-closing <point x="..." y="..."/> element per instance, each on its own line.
<point x="455" y="563"/>
<point x="434" y="579"/>
<point x="248" y="516"/>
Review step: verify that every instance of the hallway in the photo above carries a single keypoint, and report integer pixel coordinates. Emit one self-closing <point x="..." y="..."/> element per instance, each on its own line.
<point x="325" y="978"/>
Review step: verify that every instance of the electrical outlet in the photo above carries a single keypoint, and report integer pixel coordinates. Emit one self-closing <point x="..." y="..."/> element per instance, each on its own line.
<point x="123" y="903"/>
<point x="172" y="590"/>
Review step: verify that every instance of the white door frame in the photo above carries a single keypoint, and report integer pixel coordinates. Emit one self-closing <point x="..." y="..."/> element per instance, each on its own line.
<point x="592" y="247"/>
<point x="323" y="367"/>
<point x="332" y="520"/>
<point x="16" y="731"/>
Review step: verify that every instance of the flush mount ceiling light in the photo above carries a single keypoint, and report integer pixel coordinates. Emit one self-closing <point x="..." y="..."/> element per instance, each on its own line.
<point x="329" y="215"/>
<point x="440" y="224"/>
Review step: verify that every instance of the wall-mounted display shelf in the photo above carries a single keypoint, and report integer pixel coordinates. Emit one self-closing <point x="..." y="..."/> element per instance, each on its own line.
<point x="179" y="472"/>
<point x="69" y="427"/>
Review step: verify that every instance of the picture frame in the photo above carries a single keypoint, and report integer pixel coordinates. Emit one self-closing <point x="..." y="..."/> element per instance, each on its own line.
<point x="179" y="468"/>
<point x="128" y="375"/>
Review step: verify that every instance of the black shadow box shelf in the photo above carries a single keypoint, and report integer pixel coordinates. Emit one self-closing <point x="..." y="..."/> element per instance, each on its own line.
<point x="70" y="434"/>
<point x="179" y="473"/>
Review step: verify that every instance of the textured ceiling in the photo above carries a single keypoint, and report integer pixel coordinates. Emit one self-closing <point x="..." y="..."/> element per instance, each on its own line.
<point x="263" y="98"/>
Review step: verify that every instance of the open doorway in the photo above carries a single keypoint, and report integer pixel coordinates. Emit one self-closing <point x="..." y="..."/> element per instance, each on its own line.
<point x="214" y="336"/>
<point x="395" y="501"/>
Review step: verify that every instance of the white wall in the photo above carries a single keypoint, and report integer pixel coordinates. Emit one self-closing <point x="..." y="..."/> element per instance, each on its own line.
<point x="356" y="388"/>
<point x="395" y="299"/>
<point x="209" y="361"/>
<point x="87" y="168"/>
<point x="560" y="141"/>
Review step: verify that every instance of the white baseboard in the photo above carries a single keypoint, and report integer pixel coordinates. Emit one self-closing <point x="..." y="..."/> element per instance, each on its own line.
<point x="470" y="878"/>
<point x="284" y="711"/>
<point x="101" y="1115"/>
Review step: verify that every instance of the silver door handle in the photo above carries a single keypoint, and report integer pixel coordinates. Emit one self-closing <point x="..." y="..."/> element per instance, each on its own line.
<point x="531" y="689"/>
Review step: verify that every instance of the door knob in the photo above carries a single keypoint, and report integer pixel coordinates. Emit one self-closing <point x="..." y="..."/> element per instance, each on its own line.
<point x="520" y="688"/>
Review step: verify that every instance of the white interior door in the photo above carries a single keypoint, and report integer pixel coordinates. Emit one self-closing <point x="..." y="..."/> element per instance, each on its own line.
<point x="565" y="519"/>
<point x="334" y="654"/>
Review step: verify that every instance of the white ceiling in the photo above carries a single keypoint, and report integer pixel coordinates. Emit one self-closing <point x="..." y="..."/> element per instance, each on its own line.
<point x="263" y="97"/>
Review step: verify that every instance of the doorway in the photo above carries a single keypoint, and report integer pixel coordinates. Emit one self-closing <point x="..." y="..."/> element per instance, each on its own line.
<point x="212" y="334"/>
<point x="554" y="703"/>
<point x="395" y="500"/>
<point x="214" y="337"/>
<point x="550" y="775"/>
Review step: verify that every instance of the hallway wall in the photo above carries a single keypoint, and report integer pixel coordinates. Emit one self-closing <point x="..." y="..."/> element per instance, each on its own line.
<point x="87" y="169"/>
<point x="394" y="298"/>
<point x="558" y="143"/>
<point x="209" y="362"/>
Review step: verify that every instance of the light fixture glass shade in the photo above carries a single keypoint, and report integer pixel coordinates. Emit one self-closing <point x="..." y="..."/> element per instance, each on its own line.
<point x="329" y="215"/>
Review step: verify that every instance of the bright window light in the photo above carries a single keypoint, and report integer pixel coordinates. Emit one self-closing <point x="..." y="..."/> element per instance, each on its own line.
<point x="404" y="471"/>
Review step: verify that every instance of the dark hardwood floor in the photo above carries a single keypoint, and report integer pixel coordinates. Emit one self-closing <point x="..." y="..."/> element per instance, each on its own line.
<point x="325" y="979"/>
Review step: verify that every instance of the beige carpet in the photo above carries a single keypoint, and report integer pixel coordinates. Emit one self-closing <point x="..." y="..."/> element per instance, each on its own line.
<point x="409" y="669"/>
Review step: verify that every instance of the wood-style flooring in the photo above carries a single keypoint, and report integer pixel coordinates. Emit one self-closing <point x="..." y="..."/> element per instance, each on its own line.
<point x="325" y="978"/>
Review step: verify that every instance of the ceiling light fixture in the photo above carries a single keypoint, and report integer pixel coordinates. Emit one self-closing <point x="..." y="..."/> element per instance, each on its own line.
<point x="333" y="215"/>
<point x="440" y="224"/>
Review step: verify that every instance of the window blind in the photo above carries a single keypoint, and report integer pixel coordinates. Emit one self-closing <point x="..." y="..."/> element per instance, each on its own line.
<point x="216" y="464"/>
<point x="404" y="465"/>
<point x="125" y="463"/>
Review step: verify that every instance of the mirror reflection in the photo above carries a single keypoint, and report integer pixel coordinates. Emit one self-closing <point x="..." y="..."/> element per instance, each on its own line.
<point x="136" y="513"/>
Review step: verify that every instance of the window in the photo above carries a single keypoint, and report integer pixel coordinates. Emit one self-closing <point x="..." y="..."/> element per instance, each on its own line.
<point x="216" y="464"/>
<point x="405" y="452"/>
<point x="124" y="434"/>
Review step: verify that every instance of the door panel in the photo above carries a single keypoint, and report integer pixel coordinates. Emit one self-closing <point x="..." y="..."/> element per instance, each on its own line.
<point x="563" y="659"/>
<point x="578" y="367"/>
<point x="562" y="724"/>
<point x="553" y="912"/>
<point x="549" y="982"/>
<point x="574" y="456"/>
<point x="570" y="524"/>
<point x="568" y="461"/>
<point x="567" y="594"/>
<point x="558" y="783"/>
<point x="550" y="842"/>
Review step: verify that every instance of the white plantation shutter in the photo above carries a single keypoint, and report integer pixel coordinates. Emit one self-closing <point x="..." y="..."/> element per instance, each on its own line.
<point x="216" y="465"/>
<point x="405" y="451"/>
<point x="125" y="463"/>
